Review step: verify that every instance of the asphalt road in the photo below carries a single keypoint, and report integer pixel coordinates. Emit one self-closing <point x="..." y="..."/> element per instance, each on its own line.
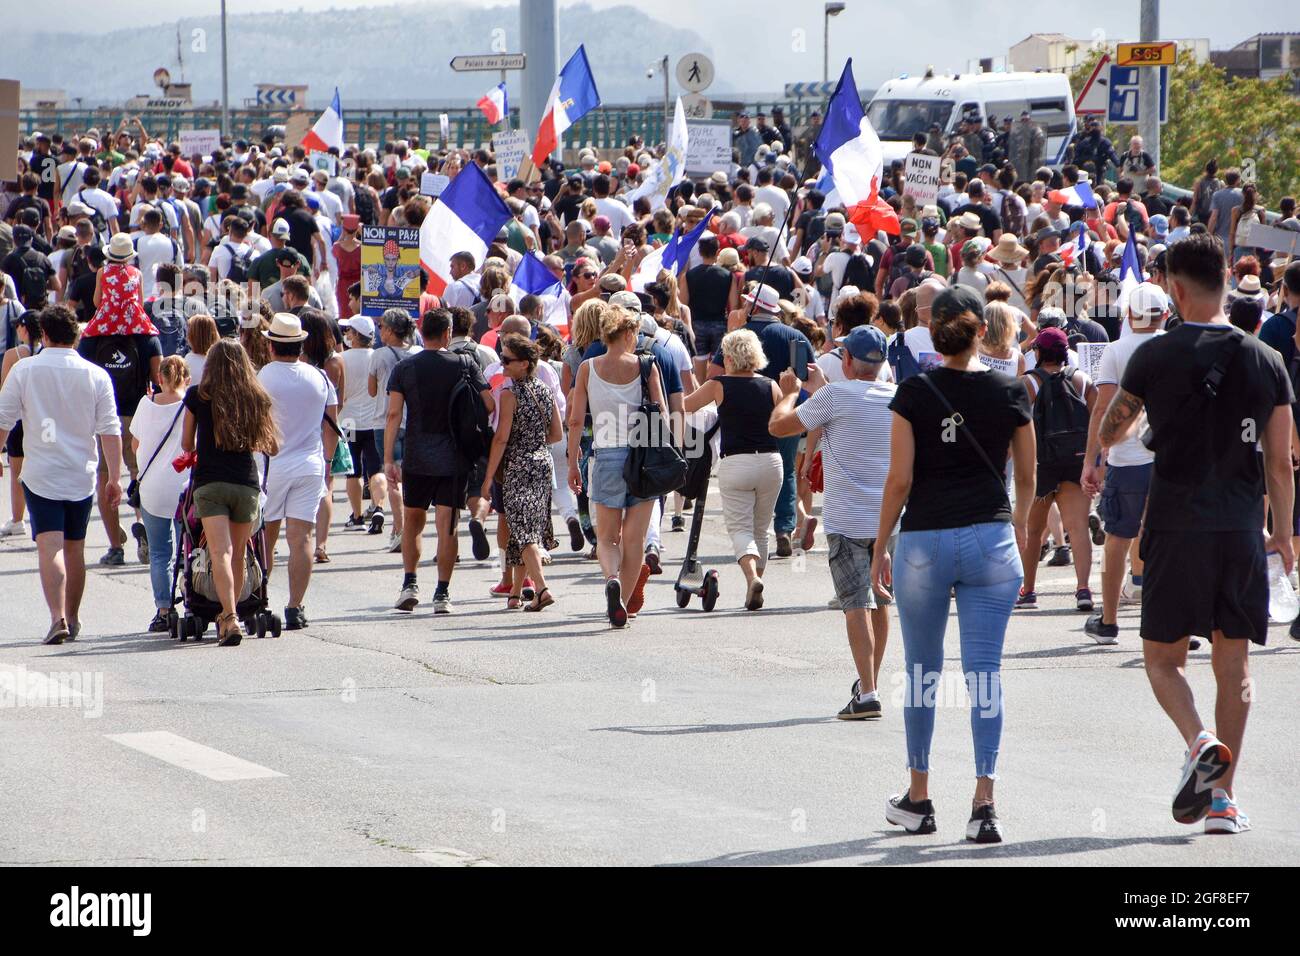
<point x="495" y="737"/>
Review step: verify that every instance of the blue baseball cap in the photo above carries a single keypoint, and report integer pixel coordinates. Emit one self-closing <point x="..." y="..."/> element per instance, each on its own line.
<point x="1160" y="224"/>
<point x="866" y="343"/>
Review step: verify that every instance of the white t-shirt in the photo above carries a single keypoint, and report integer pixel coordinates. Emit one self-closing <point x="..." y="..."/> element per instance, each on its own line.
<point x="676" y="348"/>
<point x="70" y="176"/>
<point x="462" y="292"/>
<point x="161" y="486"/>
<point x="195" y="362"/>
<point x="330" y="204"/>
<point x="151" y="251"/>
<point x="299" y="395"/>
<point x="620" y="217"/>
<point x="918" y="340"/>
<point x="102" y="203"/>
<point x="383" y="359"/>
<point x="856" y="420"/>
<point x="1114" y="360"/>
<point x="358" y="407"/>
<point x="1007" y="366"/>
<point x="776" y="197"/>
<point x="224" y="255"/>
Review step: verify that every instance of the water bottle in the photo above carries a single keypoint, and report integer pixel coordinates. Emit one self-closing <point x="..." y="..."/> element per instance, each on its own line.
<point x="1283" y="605"/>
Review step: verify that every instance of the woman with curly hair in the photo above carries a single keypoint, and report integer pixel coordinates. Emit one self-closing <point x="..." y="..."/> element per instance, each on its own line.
<point x="227" y="422"/>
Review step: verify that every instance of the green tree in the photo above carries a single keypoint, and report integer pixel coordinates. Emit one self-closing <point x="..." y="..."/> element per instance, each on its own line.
<point x="1250" y="124"/>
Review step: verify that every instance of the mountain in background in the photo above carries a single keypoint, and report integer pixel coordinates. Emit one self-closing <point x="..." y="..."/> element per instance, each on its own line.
<point x="378" y="56"/>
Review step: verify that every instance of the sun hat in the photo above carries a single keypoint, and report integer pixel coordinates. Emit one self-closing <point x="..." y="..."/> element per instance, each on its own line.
<point x="120" y="248"/>
<point x="626" y="299"/>
<point x="968" y="220"/>
<point x="764" y="299"/>
<point x="1008" y="249"/>
<point x="285" y="327"/>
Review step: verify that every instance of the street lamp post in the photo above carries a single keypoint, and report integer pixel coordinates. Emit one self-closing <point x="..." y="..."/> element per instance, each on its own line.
<point x="663" y="64"/>
<point x="832" y="10"/>
<point x="225" y="88"/>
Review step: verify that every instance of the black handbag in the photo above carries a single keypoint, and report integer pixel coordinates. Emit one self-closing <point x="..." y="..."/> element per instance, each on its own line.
<point x="654" y="466"/>
<point x="133" y="487"/>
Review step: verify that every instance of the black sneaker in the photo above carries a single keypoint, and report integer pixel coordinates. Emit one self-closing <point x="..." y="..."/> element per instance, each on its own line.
<point x="913" y="817"/>
<point x="855" y="710"/>
<point x="141" y="542"/>
<point x="1060" y="557"/>
<point x="652" y="559"/>
<point x="113" y="557"/>
<point x="295" y="618"/>
<point x="374" y="521"/>
<point x="354" y="523"/>
<point x="1094" y="525"/>
<point x="679" y="523"/>
<point x="576" y="538"/>
<point x="984" y="826"/>
<point x="161" y="622"/>
<point x="1099" y="632"/>
<point x="480" y="547"/>
<point x="1295" y="629"/>
<point x="614" y="603"/>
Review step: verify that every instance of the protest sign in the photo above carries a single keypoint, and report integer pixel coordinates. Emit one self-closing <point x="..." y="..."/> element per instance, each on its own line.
<point x="10" y="97"/>
<point x="326" y="161"/>
<point x="1090" y="354"/>
<point x="708" y="147"/>
<point x="1274" y="239"/>
<point x="295" y="128"/>
<point x="200" y="142"/>
<point x="432" y="184"/>
<point x="510" y="149"/>
<point x="390" y="269"/>
<point x="921" y="178"/>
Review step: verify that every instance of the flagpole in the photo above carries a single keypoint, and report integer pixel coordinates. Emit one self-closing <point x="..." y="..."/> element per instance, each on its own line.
<point x="785" y="224"/>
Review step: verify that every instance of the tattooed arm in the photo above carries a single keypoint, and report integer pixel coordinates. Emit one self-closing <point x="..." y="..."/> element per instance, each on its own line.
<point x="1119" y="418"/>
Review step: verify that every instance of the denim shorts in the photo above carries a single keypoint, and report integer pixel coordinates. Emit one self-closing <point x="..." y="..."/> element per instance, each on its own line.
<point x="69" y="518"/>
<point x="606" y="485"/>
<point x="398" y="446"/>
<point x="1124" y="499"/>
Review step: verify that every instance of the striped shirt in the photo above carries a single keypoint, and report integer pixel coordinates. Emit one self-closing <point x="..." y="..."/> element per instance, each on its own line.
<point x="856" y="420"/>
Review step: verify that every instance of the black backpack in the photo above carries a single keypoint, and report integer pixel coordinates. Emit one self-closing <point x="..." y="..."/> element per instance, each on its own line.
<point x="1060" y="418"/>
<point x="32" y="280"/>
<point x="858" y="272"/>
<point x="119" y="356"/>
<point x="467" y="416"/>
<point x="240" y="263"/>
<point x="97" y="219"/>
<point x="168" y="316"/>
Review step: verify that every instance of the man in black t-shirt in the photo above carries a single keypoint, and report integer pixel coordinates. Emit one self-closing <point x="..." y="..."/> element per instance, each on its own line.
<point x="775" y="276"/>
<point x="432" y="471"/>
<point x="707" y="290"/>
<point x="990" y="224"/>
<point x="1211" y="394"/>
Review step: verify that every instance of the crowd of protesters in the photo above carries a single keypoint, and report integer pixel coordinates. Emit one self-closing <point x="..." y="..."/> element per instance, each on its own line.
<point x="926" y="384"/>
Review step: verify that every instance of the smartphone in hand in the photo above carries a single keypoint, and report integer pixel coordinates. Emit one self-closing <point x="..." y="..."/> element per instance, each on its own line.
<point x="797" y="365"/>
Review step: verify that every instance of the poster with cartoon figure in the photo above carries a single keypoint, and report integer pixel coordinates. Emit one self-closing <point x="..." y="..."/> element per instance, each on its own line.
<point x="390" y="269"/>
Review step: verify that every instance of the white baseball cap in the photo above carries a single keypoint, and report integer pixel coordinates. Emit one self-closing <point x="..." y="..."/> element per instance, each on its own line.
<point x="1148" y="299"/>
<point x="280" y="228"/>
<point x="363" y="325"/>
<point x="802" y="266"/>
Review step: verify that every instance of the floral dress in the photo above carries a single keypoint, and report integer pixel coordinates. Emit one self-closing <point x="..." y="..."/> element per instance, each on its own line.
<point x="527" y="485"/>
<point x="120" y="311"/>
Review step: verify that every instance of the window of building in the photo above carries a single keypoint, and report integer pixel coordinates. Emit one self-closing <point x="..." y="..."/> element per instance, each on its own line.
<point x="1270" y="54"/>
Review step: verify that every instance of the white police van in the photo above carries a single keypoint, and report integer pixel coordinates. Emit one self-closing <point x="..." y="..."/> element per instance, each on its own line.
<point x="908" y="105"/>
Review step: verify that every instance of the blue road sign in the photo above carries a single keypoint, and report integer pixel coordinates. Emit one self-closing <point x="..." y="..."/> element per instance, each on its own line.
<point x="1122" y="106"/>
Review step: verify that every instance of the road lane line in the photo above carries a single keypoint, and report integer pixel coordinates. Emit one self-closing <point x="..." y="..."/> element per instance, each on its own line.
<point x="188" y="755"/>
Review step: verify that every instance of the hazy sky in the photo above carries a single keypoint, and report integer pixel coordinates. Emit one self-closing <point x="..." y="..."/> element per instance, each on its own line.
<point x="755" y="41"/>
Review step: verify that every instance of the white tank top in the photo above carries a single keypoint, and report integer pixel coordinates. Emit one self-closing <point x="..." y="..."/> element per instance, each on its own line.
<point x="610" y="405"/>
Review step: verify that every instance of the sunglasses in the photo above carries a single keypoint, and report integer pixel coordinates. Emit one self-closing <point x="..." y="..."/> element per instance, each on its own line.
<point x="511" y="360"/>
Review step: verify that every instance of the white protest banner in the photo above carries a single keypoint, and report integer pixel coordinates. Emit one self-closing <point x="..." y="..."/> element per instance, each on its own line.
<point x="432" y="184"/>
<point x="326" y="161"/>
<point x="708" y="147"/>
<point x="510" y="148"/>
<point x="1274" y="239"/>
<point x="921" y="178"/>
<point x="1090" y="354"/>
<point x="200" y="142"/>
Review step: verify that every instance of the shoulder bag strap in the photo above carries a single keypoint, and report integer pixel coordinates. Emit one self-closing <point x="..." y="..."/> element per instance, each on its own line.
<point x="960" y="422"/>
<point x="167" y="435"/>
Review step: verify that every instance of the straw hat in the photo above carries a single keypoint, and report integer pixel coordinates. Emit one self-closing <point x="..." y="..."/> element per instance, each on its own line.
<point x="285" y="327"/>
<point x="120" y="248"/>
<point x="1008" y="249"/>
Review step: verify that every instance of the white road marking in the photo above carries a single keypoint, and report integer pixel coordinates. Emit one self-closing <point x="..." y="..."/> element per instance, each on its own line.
<point x="448" y="856"/>
<point x="188" y="755"/>
<point x="767" y="658"/>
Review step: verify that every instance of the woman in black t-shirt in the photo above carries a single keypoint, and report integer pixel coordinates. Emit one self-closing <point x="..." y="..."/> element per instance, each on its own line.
<point x="952" y="429"/>
<point x="227" y="421"/>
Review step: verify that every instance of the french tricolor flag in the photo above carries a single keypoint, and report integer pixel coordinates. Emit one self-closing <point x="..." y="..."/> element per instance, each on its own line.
<point x="850" y="150"/>
<point x="494" y="104"/>
<point x="1074" y="253"/>
<point x="465" y="218"/>
<point x="573" y="97"/>
<point x="328" y="131"/>
<point x="1079" y="194"/>
<point x="533" y="278"/>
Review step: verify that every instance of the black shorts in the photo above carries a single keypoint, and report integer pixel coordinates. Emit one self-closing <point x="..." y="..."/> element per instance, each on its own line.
<point x="14" y="443"/>
<point x="365" y="456"/>
<point x="476" y="476"/>
<point x="421" y="491"/>
<point x="68" y="518"/>
<point x="708" y="336"/>
<point x="1049" y="477"/>
<point x="1197" y="582"/>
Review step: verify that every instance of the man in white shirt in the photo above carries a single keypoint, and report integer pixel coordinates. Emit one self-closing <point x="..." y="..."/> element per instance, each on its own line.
<point x="619" y="216"/>
<point x="103" y="207"/>
<point x="1121" y="475"/>
<point x="153" y="248"/>
<point x="66" y="402"/>
<point x="330" y="204"/>
<point x="855" y="420"/>
<point x="232" y="249"/>
<point x="70" y="171"/>
<point x="775" y="197"/>
<point x="302" y="397"/>
<point x="463" y="288"/>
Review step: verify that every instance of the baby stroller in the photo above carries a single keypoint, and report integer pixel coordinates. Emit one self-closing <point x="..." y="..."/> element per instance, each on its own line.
<point x="198" y="594"/>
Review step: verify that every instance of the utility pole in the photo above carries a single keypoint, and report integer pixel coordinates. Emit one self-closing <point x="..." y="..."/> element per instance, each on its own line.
<point x="830" y="10"/>
<point x="225" y="73"/>
<point x="667" y="106"/>
<point x="1149" y="85"/>
<point x="539" y="27"/>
